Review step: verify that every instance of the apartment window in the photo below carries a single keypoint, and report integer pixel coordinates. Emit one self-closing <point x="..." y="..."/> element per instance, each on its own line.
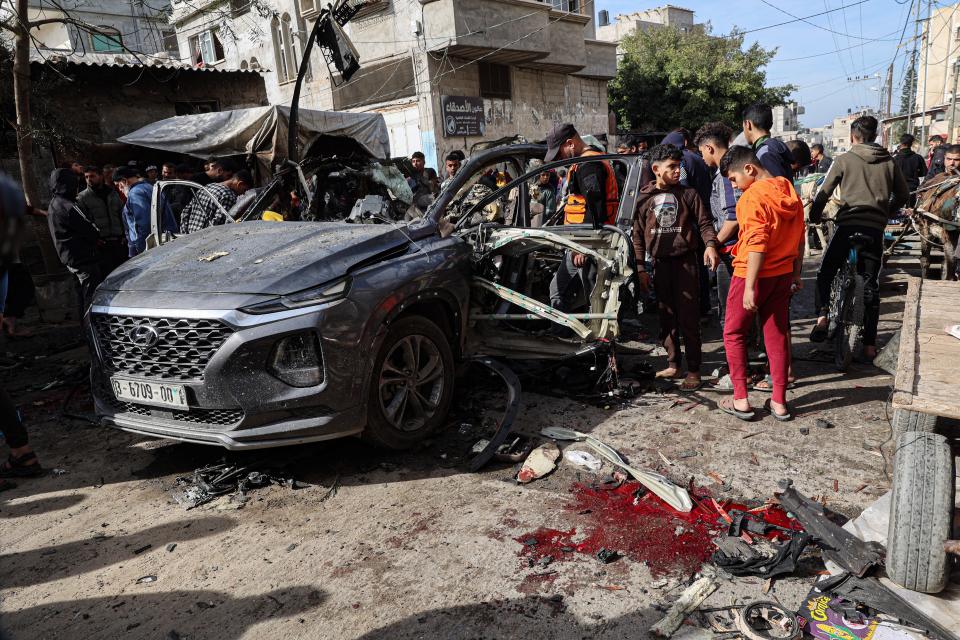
<point x="494" y="80"/>
<point x="170" y="43"/>
<point x="307" y="6"/>
<point x="572" y="6"/>
<point x="283" y="48"/>
<point x="206" y="48"/>
<point x="108" y="41"/>
<point x="240" y="7"/>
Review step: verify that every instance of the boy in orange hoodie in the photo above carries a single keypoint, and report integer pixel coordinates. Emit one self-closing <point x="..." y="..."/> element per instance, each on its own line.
<point x="766" y="271"/>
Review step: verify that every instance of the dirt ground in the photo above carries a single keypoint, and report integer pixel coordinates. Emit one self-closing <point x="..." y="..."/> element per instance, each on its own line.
<point x="411" y="545"/>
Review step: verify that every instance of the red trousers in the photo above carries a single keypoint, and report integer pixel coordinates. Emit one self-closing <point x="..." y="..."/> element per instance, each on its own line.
<point x="773" y="303"/>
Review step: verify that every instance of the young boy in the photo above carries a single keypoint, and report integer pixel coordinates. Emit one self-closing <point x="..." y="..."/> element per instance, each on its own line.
<point x="766" y="271"/>
<point x="773" y="154"/>
<point x="670" y="222"/>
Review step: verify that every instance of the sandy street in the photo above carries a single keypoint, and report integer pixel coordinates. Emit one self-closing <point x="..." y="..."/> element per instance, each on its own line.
<point x="412" y="545"/>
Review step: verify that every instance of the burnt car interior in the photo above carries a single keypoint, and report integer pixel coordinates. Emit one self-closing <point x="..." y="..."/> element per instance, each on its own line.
<point x="516" y="269"/>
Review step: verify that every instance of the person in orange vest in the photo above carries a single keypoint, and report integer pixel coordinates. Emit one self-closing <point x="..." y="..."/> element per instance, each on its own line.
<point x="591" y="197"/>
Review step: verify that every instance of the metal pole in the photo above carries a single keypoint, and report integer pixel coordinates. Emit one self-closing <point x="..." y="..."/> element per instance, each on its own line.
<point x="953" y="103"/>
<point x="926" y="73"/>
<point x="912" y="102"/>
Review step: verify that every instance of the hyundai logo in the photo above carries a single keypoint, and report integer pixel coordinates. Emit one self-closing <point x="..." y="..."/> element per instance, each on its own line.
<point x="144" y="336"/>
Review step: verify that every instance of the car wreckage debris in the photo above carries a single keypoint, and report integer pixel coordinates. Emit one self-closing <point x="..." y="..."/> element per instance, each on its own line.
<point x="510" y="414"/>
<point x="838" y="545"/>
<point x="767" y="621"/>
<point x="675" y="496"/>
<point x="686" y="604"/>
<point x="213" y="481"/>
<point x="783" y="562"/>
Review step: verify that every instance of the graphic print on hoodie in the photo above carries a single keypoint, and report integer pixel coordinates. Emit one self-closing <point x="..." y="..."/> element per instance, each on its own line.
<point x="670" y="222"/>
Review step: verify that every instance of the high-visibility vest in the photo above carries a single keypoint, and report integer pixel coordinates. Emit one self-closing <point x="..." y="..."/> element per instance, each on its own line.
<point x="575" y="209"/>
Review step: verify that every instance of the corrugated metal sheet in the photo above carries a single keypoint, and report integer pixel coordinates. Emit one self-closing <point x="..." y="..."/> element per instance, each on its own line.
<point x="126" y="61"/>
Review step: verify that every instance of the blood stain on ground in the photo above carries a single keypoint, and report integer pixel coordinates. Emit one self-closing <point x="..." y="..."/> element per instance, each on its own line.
<point x="637" y="524"/>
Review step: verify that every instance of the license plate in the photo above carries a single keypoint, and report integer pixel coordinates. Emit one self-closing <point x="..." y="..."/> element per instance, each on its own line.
<point x="143" y="392"/>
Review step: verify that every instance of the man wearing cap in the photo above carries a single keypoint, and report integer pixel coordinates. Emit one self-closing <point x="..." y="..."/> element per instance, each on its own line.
<point x="592" y="197"/>
<point x="203" y="212"/>
<point x="151" y="174"/>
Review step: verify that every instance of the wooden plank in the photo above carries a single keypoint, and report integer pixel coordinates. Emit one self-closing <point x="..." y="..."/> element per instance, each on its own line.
<point x="907" y="359"/>
<point x="933" y="407"/>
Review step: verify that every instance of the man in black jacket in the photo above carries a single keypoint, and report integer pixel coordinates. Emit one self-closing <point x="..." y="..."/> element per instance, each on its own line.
<point x="911" y="165"/>
<point x="74" y="235"/>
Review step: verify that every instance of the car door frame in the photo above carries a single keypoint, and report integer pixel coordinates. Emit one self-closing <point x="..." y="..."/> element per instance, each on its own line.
<point x="157" y="235"/>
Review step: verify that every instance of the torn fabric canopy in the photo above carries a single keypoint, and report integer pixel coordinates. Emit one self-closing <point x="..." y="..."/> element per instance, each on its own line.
<point x="260" y="131"/>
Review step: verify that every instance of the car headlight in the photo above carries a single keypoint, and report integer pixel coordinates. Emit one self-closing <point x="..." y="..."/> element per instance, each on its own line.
<point x="328" y="292"/>
<point x="297" y="360"/>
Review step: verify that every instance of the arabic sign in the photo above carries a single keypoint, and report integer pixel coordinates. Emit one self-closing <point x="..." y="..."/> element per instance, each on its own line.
<point x="462" y="116"/>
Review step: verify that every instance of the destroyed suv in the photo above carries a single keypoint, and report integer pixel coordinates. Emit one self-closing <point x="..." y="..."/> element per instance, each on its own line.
<point x="258" y="334"/>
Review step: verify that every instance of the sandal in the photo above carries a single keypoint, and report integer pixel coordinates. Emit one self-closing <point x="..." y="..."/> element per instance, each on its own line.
<point x="690" y="386"/>
<point x="786" y="417"/>
<point x="819" y="334"/>
<point x="663" y="375"/>
<point x="765" y="384"/>
<point x="728" y="408"/>
<point x="16" y="467"/>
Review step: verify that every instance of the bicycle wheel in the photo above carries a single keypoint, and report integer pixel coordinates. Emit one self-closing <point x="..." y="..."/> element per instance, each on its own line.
<point x="848" y="340"/>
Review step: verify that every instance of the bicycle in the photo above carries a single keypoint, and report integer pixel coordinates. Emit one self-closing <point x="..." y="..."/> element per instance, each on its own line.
<point x="847" y="307"/>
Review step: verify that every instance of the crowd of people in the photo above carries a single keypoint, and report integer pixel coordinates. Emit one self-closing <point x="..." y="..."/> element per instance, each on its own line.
<point x="715" y="202"/>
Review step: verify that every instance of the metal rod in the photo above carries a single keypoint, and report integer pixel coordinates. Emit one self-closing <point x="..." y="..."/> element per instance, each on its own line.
<point x="926" y="72"/>
<point x="533" y="316"/>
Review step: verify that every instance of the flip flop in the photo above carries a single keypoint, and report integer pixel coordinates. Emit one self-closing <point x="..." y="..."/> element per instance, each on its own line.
<point x="686" y="388"/>
<point x="662" y="375"/>
<point x="746" y="416"/>
<point x="769" y="388"/>
<point x="787" y="417"/>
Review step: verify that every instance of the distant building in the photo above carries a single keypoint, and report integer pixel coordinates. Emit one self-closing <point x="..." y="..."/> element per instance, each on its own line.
<point x="627" y="23"/>
<point x="841" y="129"/>
<point x="786" y="121"/>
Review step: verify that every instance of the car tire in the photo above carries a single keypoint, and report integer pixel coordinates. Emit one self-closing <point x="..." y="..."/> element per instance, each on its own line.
<point x="905" y="421"/>
<point x="411" y="384"/>
<point x="921" y="512"/>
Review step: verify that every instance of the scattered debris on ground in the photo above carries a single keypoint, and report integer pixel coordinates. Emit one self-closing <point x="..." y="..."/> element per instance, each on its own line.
<point x="215" y="480"/>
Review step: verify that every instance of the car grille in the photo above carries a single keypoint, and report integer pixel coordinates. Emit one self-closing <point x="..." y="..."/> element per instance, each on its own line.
<point x="182" y="351"/>
<point x="209" y="417"/>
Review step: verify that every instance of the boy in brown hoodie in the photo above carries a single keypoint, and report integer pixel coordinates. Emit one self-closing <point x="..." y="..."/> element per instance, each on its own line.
<point x="670" y="221"/>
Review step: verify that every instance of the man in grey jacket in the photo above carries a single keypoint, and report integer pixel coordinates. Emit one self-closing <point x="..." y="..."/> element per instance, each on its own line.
<point x="101" y="204"/>
<point x="872" y="188"/>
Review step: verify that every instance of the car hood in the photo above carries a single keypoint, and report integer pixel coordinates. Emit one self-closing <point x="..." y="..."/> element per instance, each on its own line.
<point x="272" y="258"/>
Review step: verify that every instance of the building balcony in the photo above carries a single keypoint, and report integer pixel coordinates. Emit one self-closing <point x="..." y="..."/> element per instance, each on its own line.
<point x="504" y="31"/>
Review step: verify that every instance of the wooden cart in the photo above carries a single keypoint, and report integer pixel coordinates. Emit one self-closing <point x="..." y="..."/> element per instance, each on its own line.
<point x="927" y="388"/>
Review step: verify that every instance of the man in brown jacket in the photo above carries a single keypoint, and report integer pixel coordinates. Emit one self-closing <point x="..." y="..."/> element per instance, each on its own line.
<point x="670" y="221"/>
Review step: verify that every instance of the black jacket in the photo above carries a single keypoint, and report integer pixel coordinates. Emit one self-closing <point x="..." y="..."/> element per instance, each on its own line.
<point x="912" y="167"/>
<point x="74" y="236"/>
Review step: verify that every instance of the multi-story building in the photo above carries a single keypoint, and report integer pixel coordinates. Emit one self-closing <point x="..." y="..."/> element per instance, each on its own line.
<point x="444" y="73"/>
<point x="786" y="121"/>
<point x="627" y="23"/>
<point x="841" y="129"/>
<point x="123" y="26"/>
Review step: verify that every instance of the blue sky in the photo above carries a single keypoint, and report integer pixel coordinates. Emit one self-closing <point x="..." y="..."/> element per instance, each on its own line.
<point x="822" y="80"/>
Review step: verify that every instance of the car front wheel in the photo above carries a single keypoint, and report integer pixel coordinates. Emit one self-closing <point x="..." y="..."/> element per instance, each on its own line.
<point x="412" y="384"/>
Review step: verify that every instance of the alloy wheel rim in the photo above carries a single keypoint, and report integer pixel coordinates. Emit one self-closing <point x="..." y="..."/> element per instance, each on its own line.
<point x="411" y="383"/>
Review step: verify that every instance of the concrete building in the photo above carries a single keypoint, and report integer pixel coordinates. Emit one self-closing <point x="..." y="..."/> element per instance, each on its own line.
<point x="445" y="74"/>
<point x="627" y="23"/>
<point x="786" y="121"/>
<point x="124" y="25"/>
<point x="841" y="129"/>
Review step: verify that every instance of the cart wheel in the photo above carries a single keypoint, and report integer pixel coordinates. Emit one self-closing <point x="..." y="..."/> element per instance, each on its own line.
<point x="905" y="421"/>
<point x="921" y="512"/>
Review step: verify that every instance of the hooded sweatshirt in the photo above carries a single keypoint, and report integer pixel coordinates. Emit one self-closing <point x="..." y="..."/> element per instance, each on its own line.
<point x="770" y="216"/>
<point x="871" y="187"/>
<point x="669" y="223"/>
<point x="74" y="235"/>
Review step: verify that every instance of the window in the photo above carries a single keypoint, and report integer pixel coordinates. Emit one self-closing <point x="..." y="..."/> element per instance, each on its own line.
<point x="494" y="80"/>
<point x="170" y="44"/>
<point x="573" y="6"/>
<point x="283" y="48"/>
<point x="240" y="7"/>
<point x="109" y="41"/>
<point x="307" y="6"/>
<point x="206" y="48"/>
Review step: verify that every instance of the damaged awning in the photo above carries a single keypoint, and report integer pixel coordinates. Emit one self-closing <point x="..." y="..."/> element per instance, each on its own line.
<point x="260" y="131"/>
